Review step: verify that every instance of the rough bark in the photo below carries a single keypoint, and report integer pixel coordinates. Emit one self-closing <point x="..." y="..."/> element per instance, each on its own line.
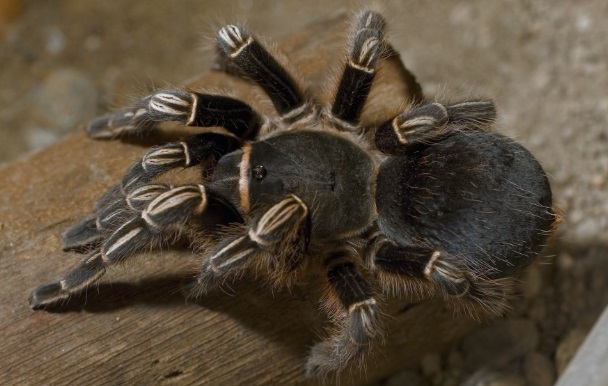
<point x="135" y="327"/>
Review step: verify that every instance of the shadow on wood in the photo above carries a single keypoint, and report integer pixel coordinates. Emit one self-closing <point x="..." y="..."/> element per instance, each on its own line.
<point x="135" y="327"/>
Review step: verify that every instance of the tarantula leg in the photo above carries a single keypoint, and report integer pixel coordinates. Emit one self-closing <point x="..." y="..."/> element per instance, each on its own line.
<point x="356" y="81"/>
<point x="165" y="213"/>
<point x="111" y="210"/>
<point x="255" y="62"/>
<point x="88" y="270"/>
<point x="448" y="272"/>
<point x="114" y="205"/>
<point x="420" y="262"/>
<point x="189" y="108"/>
<point x="108" y="210"/>
<point x="430" y="122"/>
<point x="127" y="120"/>
<point x="283" y="232"/>
<point x="208" y="147"/>
<point x="422" y="124"/>
<point x="351" y="301"/>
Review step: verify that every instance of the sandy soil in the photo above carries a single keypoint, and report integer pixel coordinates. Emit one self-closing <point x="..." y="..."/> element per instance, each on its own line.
<point x="543" y="62"/>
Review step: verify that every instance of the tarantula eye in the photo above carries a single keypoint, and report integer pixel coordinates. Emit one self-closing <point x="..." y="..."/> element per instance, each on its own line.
<point x="258" y="172"/>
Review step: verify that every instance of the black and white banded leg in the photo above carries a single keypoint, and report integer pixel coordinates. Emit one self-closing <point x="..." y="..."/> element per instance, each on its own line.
<point x="368" y="47"/>
<point x="280" y="235"/>
<point x="423" y="263"/>
<point x="116" y="204"/>
<point x="189" y="108"/>
<point x="238" y="120"/>
<point x="255" y="62"/>
<point x="430" y="122"/>
<point x="165" y="212"/>
<point x="448" y="272"/>
<point x="353" y="304"/>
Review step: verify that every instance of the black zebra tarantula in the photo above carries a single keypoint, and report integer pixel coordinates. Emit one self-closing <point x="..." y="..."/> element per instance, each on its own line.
<point x="431" y="196"/>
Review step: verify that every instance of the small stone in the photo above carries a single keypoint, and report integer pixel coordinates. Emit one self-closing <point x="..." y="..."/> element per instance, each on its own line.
<point x="55" y="40"/>
<point x="430" y="365"/>
<point x="538" y="310"/>
<point x="92" y="43"/>
<point x="565" y="261"/>
<point x="405" y="377"/>
<point x="500" y="342"/>
<point x="64" y="100"/>
<point x="599" y="180"/>
<point x="508" y="380"/>
<point x="538" y="369"/>
<point x="532" y="282"/>
<point x="493" y="378"/>
<point x="450" y="378"/>
<point x="37" y="138"/>
<point x="567" y="348"/>
<point x="455" y="360"/>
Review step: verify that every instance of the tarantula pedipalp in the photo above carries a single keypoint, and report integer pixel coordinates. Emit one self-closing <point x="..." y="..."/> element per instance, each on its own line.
<point x="433" y="197"/>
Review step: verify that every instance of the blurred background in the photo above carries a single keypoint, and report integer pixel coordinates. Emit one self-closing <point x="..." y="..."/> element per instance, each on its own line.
<point x="545" y="63"/>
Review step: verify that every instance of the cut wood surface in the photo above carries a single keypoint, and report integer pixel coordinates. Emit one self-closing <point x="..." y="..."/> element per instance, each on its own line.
<point x="135" y="327"/>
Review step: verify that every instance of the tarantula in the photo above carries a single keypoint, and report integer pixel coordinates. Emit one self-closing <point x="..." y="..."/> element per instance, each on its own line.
<point x="430" y="196"/>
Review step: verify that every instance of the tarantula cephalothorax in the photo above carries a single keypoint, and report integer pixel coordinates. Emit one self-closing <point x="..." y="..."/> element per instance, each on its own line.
<point x="430" y="196"/>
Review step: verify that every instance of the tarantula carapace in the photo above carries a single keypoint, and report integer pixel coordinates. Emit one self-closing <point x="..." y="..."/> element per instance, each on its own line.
<point x="430" y="196"/>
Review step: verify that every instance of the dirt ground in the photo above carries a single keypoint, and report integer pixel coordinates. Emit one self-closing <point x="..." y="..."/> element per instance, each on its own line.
<point x="545" y="63"/>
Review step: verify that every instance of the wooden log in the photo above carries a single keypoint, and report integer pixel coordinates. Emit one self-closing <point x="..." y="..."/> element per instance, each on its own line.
<point x="134" y="326"/>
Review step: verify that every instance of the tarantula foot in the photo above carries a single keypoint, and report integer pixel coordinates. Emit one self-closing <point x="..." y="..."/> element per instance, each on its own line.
<point x="351" y="345"/>
<point x="81" y="235"/>
<point x="88" y="270"/>
<point x="46" y="295"/>
<point x="190" y="289"/>
<point x="321" y="360"/>
<point x="333" y="357"/>
<point x="203" y="284"/>
<point x="112" y="125"/>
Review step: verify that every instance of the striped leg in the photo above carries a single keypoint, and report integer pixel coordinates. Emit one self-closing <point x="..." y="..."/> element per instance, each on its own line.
<point x="244" y="52"/>
<point x="115" y="205"/>
<point x="194" y="109"/>
<point x="192" y="151"/>
<point x="351" y="302"/>
<point x="433" y="265"/>
<point x="166" y="211"/>
<point x="430" y="122"/>
<point x="456" y="279"/>
<point x="356" y="81"/>
<point x="189" y="108"/>
<point x="281" y="235"/>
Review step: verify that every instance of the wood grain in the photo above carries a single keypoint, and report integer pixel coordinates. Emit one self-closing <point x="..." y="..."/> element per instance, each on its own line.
<point x="135" y="327"/>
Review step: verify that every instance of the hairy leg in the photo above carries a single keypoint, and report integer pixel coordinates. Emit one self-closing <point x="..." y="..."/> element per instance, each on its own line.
<point x="243" y="51"/>
<point x="189" y="108"/>
<point x="117" y="202"/>
<point x="460" y="281"/>
<point x="368" y="46"/>
<point x="430" y="122"/>
<point x="352" y="304"/>
<point x="166" y="213"/>
<point x="274" y="244"/>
